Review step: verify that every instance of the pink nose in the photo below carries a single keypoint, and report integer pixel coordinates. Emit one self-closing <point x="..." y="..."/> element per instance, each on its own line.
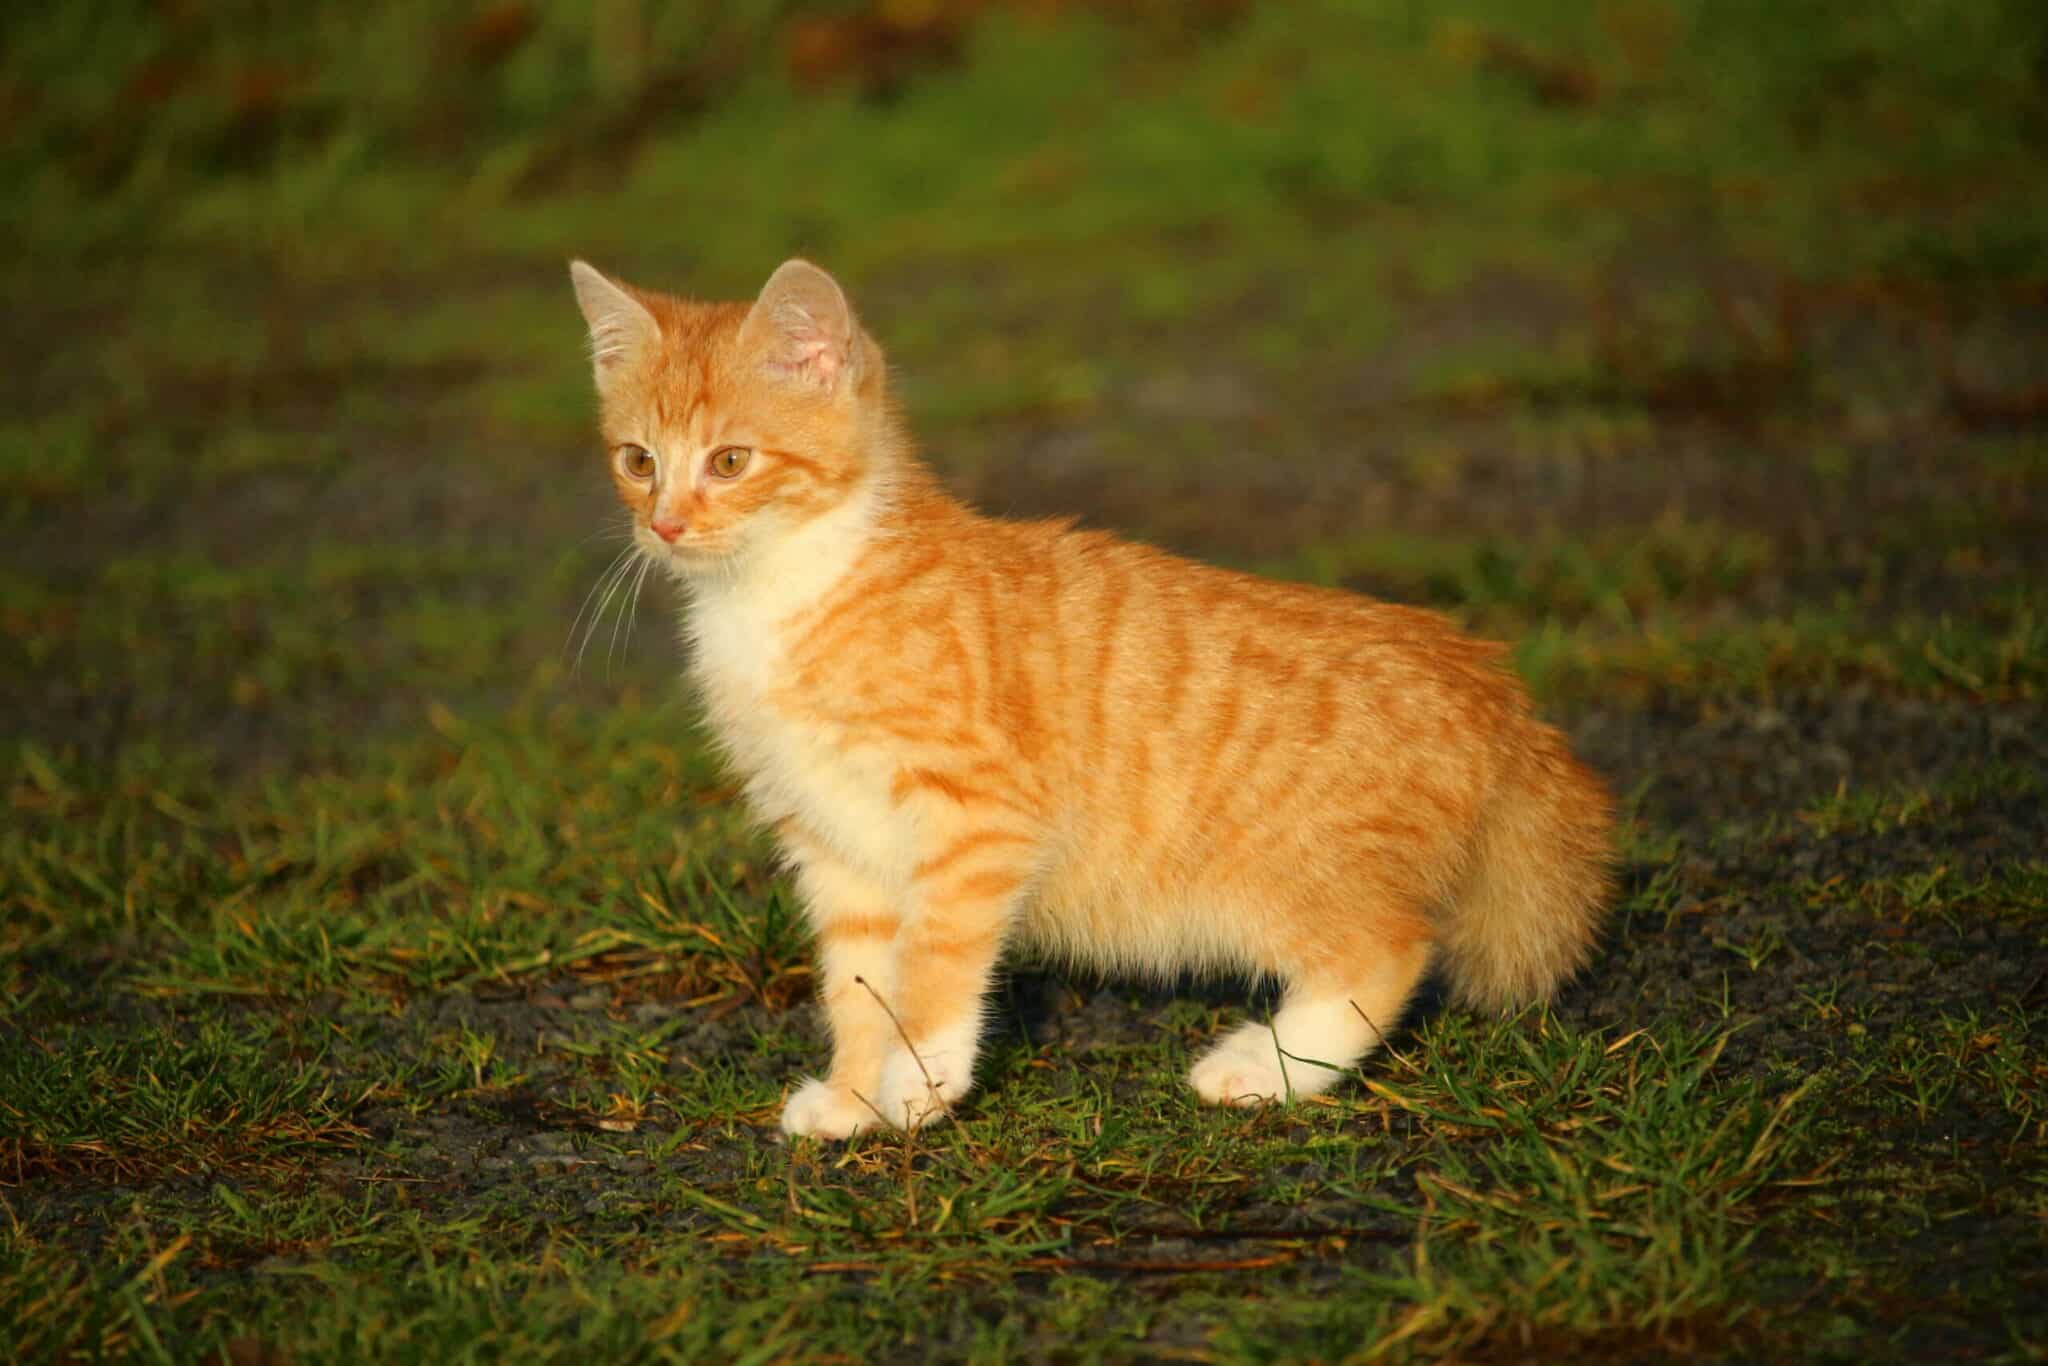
<point x="667" y="530"/>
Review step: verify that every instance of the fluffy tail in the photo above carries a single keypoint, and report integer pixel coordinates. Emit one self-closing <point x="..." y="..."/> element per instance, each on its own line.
<point x="1529" y="908"/>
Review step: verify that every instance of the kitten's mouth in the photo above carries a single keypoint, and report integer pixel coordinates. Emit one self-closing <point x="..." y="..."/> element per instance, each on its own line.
<point x="689" y="557"/>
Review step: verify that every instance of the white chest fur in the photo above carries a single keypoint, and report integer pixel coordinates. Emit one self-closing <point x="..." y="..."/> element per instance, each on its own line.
<point x="793" y="760"/>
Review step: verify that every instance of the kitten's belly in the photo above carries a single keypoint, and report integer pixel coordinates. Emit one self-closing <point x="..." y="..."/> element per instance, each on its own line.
<point x="1085" y="912"/>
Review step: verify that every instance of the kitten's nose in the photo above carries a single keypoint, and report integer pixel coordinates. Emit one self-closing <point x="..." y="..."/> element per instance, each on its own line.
<point x="667" y="530"/>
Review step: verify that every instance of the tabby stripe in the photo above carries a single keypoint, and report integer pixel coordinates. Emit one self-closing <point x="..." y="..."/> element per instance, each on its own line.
<point x="962" y="847"/>
<point x="960" y="945"/>
<point x="835" y="478"/>
<point x="1175" y="668"/>
<point x="838" y="611"/>
<point x="1220" y="799"/>
<point x="1115" y="593"/>
<point x="989" y="886"/>
<point x="1222" y="727"/>
<point x="881" y="926"/>
<point x="911" y="780"/>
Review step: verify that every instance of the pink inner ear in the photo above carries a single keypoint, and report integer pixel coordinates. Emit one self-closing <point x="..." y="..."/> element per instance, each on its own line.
<point x="809" y="351"/>
<point x="818" y="356"/>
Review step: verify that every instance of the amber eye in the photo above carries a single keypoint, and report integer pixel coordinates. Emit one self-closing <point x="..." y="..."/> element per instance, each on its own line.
<point x="636" y="462"/>
<point x="728" y="463"/>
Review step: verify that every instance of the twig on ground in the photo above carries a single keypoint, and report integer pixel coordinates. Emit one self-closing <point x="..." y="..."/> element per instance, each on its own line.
<point x="910" y="1121"/>
<point x="915" y="1056"/>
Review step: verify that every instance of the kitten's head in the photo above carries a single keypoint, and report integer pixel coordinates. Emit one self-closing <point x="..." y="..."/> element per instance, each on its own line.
<point x="729" y="424"/>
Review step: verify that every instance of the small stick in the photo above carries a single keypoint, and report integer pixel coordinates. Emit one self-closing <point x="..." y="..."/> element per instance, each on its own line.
<point x="873" y="1108"/>
<point x="909" y="1129"/>
<point x="909" y="1170"/>
<point x="1286" y="1082"/>
<point x="915" y="1056"/>
<point x="1392" y="1051"/>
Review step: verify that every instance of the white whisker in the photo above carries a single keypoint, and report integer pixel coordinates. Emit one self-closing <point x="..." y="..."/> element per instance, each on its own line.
<point x="605" y="574"/>
<point x="620" y="531"/>
<point x="616" y="578"/>
<point x="633" y="606"/>
<point x="624" y="618"/>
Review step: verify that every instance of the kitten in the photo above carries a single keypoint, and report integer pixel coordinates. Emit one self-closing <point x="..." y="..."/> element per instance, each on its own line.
<point x="969" y="733"/>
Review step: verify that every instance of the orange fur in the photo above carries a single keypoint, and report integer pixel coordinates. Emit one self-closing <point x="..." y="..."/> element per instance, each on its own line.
<point x="970" y="733"/>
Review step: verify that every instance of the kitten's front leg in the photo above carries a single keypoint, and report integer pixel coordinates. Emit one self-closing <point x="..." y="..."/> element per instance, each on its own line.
<point x="964" y="896"/>
<point x="857" y="928"/>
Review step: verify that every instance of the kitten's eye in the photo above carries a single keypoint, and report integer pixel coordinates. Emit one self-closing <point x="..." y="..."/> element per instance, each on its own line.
<point x="637" y="462"/>
<point x="728" y="463"/>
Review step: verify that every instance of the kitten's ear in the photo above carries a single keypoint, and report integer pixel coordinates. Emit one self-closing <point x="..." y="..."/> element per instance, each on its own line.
<point x="621" y="328"/>
<point x="803" y="328"/>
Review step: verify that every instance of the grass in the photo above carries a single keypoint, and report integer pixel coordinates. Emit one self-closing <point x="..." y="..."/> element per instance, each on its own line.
<point x="142" y="1105"/>
<point x="1493" y="1187"/>
<point x="387" y="973"/>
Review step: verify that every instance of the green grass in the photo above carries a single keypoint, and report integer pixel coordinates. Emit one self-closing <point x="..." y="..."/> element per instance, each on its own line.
<point x="1520" y="1181"/>
<point x="146" y="1103"/>
<point x="1632" y="1166"/>
<point x="386" y="972"/>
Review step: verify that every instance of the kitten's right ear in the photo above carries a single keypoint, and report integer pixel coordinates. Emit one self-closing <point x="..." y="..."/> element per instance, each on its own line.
<point x="621" y="328"/>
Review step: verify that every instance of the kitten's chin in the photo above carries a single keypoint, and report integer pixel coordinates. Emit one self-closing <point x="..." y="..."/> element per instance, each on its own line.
<point x="693" y="561"/>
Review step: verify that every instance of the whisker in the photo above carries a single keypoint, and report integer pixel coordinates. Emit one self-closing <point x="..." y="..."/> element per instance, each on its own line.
<point x="633" y="607"/>
<point x="617" y="578"/>
<point x="602" y="576"/>
<point x="623" y="531"/>
<point x="624" y="617"/>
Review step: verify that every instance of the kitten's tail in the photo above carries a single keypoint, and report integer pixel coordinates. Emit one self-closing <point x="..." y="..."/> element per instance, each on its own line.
<point x="1529" y="908"/>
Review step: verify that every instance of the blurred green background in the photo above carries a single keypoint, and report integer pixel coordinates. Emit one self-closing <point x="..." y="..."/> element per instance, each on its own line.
<point x="1566" y="316"/>
<point x="1699" y="347"/>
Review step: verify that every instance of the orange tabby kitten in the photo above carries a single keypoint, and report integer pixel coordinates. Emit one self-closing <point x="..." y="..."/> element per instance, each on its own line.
<point x="969" y="733"/>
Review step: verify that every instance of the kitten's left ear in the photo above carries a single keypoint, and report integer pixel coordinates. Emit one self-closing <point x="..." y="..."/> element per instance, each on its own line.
<point x="803" y="328"/>
<point x="621" y="328"/>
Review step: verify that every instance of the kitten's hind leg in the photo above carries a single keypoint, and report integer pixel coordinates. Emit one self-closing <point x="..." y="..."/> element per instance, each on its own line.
<point x="1327" y="1021"/>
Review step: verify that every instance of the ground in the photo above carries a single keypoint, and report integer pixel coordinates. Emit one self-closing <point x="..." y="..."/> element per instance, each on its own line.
<point x="386" y="972"/>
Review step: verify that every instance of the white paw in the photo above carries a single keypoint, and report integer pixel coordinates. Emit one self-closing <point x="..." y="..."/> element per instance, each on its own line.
<point x="1246" y="1068"/>
<point x="821" y="1110"/>
<point x="1230" y="1076"/>
<point x="919" y="1088"/>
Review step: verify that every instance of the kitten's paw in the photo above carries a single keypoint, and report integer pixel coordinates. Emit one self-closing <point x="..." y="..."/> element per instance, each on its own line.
<point x="821" y="1110"/>
<point x="1231" y="1076"/>
<point x="1246" y="1068"/>
<point x="918" y="1088"/>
